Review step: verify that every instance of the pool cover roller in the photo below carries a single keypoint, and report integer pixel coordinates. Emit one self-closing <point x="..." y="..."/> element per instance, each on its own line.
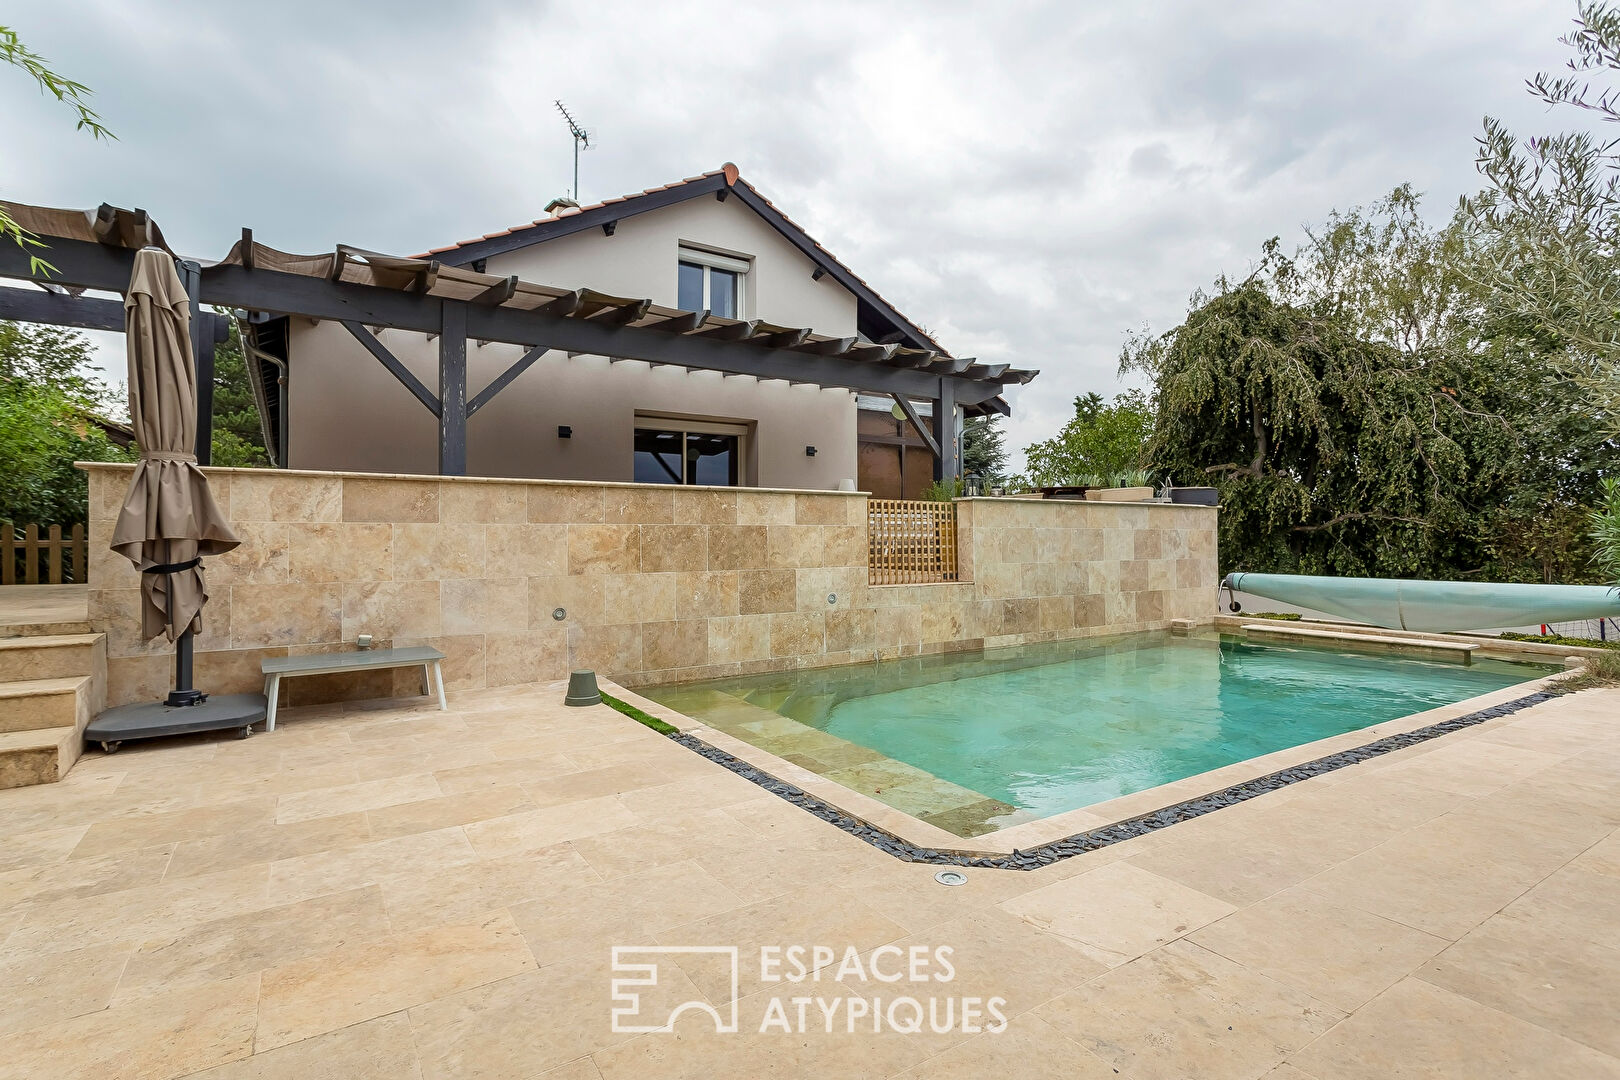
<point x="1433" y="605"/>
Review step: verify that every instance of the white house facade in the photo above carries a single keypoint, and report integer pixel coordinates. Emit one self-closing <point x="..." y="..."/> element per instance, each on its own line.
<point x="581" y="416"/>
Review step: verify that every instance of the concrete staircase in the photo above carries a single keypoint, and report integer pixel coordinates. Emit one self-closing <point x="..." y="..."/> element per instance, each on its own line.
<point x="53" y="679"/>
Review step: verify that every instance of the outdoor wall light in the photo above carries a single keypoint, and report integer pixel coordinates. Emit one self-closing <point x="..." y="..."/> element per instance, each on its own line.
<point x="564" y="431"/>
<point x="809" y="451"/>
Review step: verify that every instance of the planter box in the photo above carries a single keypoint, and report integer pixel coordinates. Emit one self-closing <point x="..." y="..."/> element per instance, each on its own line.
<point x="1194" y="496"/>
<point x="1130" y="494"/>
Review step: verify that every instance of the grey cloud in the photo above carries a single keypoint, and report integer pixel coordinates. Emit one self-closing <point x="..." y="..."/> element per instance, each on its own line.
<point x="1030" y="179"/>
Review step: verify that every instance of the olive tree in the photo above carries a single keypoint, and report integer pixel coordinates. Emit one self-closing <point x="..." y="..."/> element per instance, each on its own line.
<point x="63" y="89"/>
<point x="1549" y="221"/>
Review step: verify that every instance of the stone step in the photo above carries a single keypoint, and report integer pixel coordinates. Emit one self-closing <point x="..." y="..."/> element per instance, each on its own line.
<point x="55" y="656"/>
<point x="44" y="629"/>
<point x="31" y="704"/>
<point x="37" y="757"/>
<point x="1455" y="652"/>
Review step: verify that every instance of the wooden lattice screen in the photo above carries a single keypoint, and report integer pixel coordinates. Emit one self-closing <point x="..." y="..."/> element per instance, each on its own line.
<point x="910" y="543"/>
<point x="26" y="558"/>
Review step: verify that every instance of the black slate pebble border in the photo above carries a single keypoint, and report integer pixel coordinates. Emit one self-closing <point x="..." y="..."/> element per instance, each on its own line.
<point x="1080" y="843"/>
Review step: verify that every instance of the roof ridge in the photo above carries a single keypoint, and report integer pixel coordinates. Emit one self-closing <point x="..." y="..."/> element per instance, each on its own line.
<point x="733" y="178"/>
<point x="728" y="170"/>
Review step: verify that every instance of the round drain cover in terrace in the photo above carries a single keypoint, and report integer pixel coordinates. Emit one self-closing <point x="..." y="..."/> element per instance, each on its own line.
<point x="951" y="877"/>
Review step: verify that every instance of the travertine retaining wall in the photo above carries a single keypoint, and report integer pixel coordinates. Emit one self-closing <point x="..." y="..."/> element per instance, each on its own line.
<point x="654" y="584"/>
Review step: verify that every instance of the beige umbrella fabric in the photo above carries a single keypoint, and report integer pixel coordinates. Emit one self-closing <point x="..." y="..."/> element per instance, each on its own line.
<point x="169" y="517"/>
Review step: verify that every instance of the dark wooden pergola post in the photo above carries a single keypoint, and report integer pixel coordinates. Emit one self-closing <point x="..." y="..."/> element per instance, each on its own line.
<point x="453" y="389"/>
<point x="948" y="456"/>
<point x="202" y="357"/>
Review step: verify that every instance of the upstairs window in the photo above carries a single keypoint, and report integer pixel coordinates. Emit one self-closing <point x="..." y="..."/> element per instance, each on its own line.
<point x="713" y="281"/>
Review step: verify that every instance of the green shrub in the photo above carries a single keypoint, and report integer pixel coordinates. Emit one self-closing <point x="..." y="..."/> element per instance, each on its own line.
<point x="1595" y="671"/>
<point x="1560" y="639"/>
<point x="1604" y="523"/>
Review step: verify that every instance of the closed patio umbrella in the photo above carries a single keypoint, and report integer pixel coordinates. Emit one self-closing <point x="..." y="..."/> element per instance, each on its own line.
<point x="169" y="521"/>
<point x="169" y="518"/>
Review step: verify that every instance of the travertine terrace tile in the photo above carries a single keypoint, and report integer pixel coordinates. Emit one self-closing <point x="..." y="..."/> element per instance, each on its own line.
<point x="1419" y="1030"/>
<point x="364" y="980"/>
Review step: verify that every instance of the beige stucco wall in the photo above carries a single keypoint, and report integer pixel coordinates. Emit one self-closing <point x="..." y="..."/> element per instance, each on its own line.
<point x="349" y="414"/>
<point x="658" y="584"/>
<point x="639" y="260"/>
<point x="346" y="412"/>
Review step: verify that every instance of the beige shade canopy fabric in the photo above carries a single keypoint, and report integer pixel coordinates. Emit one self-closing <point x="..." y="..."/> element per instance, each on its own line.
<point x="169" y="516"/>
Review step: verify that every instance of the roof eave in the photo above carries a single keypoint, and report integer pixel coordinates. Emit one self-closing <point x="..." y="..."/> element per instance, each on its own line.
<point x="725" y="182"/>
<point x="592" y="218"/>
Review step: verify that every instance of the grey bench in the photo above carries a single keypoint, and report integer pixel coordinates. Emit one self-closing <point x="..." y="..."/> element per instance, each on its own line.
<point x="275" y="667"/>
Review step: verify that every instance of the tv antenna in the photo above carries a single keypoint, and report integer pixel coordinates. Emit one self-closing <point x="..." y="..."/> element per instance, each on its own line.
<point x="582" y="141"/>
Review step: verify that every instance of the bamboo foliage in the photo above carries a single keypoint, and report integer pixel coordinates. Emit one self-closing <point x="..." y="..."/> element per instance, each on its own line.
<point x="26" y="558"/>
<point x="910" y="543"/>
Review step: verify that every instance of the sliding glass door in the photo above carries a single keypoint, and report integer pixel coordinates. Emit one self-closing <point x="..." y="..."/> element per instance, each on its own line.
<point x="688" y="452"/>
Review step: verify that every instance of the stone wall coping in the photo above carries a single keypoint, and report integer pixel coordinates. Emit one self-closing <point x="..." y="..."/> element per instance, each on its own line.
<point x="118" y="466"/>
<point x="1006" y="500"/>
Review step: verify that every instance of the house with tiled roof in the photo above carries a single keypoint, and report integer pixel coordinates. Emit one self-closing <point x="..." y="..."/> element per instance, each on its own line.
<point x="709" y="244"/>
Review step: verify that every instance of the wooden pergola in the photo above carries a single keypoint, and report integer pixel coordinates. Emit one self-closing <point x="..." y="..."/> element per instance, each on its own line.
<point x="368" y="292"/>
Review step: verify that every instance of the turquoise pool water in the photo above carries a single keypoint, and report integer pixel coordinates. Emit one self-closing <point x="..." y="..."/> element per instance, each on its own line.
<point x="1039" y="730"/>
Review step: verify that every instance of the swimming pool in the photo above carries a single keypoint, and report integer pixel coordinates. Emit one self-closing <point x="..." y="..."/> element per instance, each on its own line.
<point x="974" y="742"/>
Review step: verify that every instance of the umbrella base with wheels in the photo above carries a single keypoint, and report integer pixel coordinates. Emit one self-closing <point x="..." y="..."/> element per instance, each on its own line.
<point x="154" y="719"/>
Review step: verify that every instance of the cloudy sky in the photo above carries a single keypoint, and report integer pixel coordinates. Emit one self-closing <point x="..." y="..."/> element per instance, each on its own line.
<point x="1029" y="180"/>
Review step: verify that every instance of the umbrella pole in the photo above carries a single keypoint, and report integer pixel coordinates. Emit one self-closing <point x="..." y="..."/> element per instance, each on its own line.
<point x="183" y="693"/>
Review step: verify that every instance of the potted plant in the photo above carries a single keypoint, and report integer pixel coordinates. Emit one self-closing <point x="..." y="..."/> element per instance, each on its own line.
<point x="1134" y="485"/>
<point x="1073" y="486"/>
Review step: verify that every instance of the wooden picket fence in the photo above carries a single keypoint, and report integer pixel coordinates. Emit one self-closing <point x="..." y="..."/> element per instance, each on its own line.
<point x="910" y="543"/>
<point x="27" y="558"/>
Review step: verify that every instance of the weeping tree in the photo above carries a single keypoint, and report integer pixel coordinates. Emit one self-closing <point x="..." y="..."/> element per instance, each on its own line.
<point x="1332" y="455"/>
<point x="1367" y="409"/>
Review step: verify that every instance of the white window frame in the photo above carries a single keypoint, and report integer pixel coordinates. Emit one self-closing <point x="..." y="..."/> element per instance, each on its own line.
<point x="741" y="265"/>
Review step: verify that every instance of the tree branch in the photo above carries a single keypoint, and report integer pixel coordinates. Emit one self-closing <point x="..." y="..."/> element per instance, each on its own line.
<point x="1328" y="524"/>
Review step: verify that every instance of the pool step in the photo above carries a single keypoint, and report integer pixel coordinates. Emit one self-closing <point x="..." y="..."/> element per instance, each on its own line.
<point x="1451" y="651"/>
